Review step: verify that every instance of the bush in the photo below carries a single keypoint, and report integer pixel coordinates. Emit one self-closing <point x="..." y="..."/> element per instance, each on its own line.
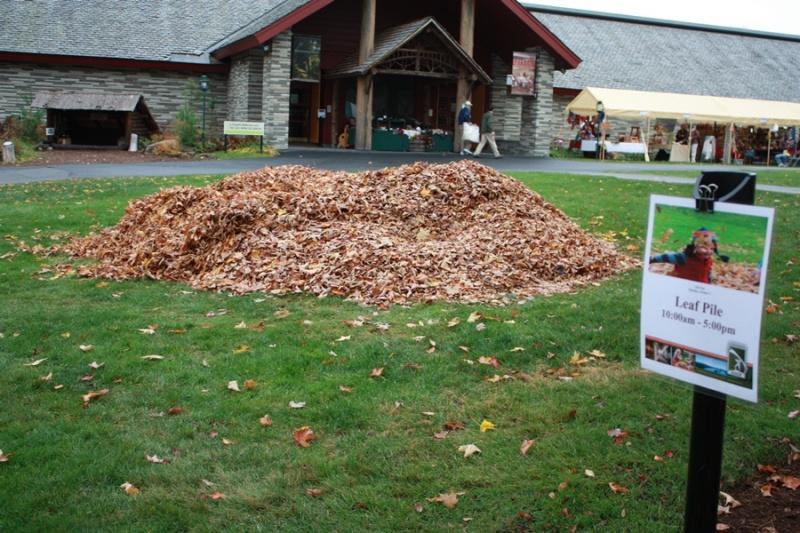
<point x="30" y="126"/>
<point x="186" y="125"/>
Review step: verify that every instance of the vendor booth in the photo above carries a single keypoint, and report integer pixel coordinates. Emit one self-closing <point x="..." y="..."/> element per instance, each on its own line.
<point x="693" y="110"/>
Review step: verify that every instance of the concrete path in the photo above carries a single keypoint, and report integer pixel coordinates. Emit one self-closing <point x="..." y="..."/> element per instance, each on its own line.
<point x="352" y="160"/>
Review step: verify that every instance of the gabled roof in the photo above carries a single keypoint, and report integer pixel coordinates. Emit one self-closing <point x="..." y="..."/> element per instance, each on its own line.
<point x="390" y="40"/>
<point x="642" y="55"/>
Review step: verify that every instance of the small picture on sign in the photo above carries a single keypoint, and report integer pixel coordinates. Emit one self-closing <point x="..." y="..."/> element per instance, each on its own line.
<point x="731" y="367"/>
<point x="725" y="249"/>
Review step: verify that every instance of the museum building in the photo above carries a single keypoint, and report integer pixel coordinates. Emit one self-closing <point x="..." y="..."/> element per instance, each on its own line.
<point x="309" y="70"/>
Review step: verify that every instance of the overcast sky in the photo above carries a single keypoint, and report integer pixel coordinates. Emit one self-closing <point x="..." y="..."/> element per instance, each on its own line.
<point x="777" y="16"/>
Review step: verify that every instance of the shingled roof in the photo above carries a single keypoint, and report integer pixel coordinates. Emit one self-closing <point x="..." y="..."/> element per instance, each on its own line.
<point x="637" y="54"/>
<point x="176" y="30"/>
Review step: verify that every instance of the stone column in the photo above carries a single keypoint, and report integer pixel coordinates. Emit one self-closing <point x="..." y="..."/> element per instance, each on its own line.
<point x="276" y="91"/>
<point x="537" y="111"/>
<point x="245" y="86"/>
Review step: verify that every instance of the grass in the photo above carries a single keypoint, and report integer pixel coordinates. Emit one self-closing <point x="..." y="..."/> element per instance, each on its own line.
<point x="788" y="177"/>
<point x="247" y="151"/>
<point x="375" y="459"/>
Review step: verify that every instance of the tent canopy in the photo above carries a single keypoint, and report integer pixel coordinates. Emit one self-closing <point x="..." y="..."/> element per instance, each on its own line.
<point x="637" y="105"/>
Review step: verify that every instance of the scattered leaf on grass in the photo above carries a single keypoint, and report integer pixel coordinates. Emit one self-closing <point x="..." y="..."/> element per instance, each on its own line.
<point x="227" y="442"/>
<point x="156" y="460"/>
<point x="345" y="389"/>
<point x="618" y="435"/>
<point x="492" y="361"/>
<point x="473" y="317"/>
<point x="303" y="436"/>
<point x="175" y="410"/>
<point x="86" y="347"/>
<point x="480" y="326"/>
<point x="94" y="365"/>
<point x="343" y="338"/>
<point x="250" y="384"/>
<point x="3" y="457"/>
<point x="453" y="425"/>
<point x="242" y="348"/>
<point x="297" y="405"/>
<point x="588" y="473"/>
<point x="469" y="450"/>
<point x="441" y="435"/>
<point x="376" y="372"/>
<point x="486" y="426"/>
<point x="448" y="499"/>
<point x="526" y="445"/>
<point x="35" y="363"/>
<point x="86" y="377"/>
<point x="152" y="357"/>
<point x="619" y="489"/>
<point x="217" y="496"/>
<point x="453" y="322"/>
<point x="234" y="386"/>
<point x="129" y="489"/>
<point x="241" y="325"/>
<point x="314" y="493"/>
<point x="265" y="421"/>
<point x="47" y="377"/>
<point x="517" y="349"/>
<point x="92" y="395"/>
<point x="282" y="313"/>
<point x="149" y="330"/>
<point x="794" y="414"/>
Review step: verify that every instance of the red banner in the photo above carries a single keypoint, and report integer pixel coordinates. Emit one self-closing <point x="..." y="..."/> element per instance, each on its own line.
<point x="523" y="74"/>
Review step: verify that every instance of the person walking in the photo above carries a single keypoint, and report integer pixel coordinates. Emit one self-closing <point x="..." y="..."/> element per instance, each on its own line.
<point x="487" y="134"/>
<point x="465" y="117"/>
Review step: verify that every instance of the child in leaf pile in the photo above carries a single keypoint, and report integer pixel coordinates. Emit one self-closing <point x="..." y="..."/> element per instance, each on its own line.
<point x="695" y="262"/>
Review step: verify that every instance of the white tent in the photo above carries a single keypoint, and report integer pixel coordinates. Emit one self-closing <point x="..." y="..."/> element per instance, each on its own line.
<point x="634" y="105"/>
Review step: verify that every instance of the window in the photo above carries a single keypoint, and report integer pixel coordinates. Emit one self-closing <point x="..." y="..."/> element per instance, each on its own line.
<point x="306" y="58"/>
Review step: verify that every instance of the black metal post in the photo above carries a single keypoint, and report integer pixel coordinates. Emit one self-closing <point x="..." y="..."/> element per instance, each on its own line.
<point x="705" y="461"/>
<point x="203" y="140"/>
<point x="261" y="144"/>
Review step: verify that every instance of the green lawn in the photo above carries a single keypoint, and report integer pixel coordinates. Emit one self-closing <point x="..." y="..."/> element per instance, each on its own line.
<point x="375" y="460"/>
<point x="788" y="177"/>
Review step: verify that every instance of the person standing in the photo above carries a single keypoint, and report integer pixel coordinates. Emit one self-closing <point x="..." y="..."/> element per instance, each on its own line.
<point x="465" y="117"/>
<point x="487" y="134"/>
<point x="695" y="143"/>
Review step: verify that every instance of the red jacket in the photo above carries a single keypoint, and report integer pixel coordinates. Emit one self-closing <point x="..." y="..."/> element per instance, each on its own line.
<point x="694" y="269"/>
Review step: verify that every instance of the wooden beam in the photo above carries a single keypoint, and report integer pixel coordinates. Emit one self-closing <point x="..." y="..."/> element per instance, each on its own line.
<point x="467" y="34"/>
<point x="367" y="42"/>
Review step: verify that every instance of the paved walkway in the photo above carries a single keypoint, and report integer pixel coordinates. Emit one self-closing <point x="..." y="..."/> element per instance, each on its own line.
<point x="352" y="160"/>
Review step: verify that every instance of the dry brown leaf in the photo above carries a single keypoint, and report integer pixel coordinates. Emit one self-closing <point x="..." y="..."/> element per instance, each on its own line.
<point x="448" y="499"/>
<point x="35" y="363"/>
<point x="227" y="442"/>
<point x="242" y="348"/>
<point x="217" y="495"/>
<point x="234" y="386"/>
<point x="489" y="360"/>
<point x="156" y="460"/>
<point x="619" y="489"/>
<point x="86" y="347"/>
<point x="376" y="372"/>
<point x="94" y="365"/>
<point x="314" y="493"/>
<point x="265" y="421"/>
<point x="453" y="425"/>
<point x="282" y="313"/>
<point x="250" y="384"/>
<point x="93" y="395"/>
<point x="3" y="457"/>
<point x="345" y="389"/>
<point x="526" y="445"/>
<point x="176" y="410"/>
<point x="469" y="450"/>
<point x="766" y="490"/>
<point x="303" y="436"/>
<point x="153" y="357"/>
<point x="129" y="489"/>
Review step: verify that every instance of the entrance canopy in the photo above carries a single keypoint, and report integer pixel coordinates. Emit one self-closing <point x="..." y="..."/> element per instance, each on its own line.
<point x="636" y="105"/>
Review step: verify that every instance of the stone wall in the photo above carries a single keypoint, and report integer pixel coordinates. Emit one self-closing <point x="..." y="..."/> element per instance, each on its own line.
<point x="524" y="123"/>
<point x="276" y="90"/>
<point x="164" y="91"/>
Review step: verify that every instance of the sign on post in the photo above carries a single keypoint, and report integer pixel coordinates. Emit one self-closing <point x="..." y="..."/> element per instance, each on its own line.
<point x="703" y="293"/>
<point x="243" y="128"/>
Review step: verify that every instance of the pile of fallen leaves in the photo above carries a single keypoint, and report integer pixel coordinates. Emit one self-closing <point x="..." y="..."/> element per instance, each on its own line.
<point x="420" y="232"/>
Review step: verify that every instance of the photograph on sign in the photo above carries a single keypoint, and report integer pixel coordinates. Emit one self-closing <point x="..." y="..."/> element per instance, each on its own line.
<point x="523" y="74"/>
<point x="703" y="293"/>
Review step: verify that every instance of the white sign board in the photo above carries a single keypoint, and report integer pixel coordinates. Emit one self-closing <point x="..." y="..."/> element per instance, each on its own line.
<point x="703" y="293"/>
<point x="243" y="128"/>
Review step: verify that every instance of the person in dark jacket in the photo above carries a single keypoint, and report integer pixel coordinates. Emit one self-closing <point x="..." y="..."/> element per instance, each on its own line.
<point x="487" y="134"/>
<point x="695" y="262"/>
<point x="465" y="117"/>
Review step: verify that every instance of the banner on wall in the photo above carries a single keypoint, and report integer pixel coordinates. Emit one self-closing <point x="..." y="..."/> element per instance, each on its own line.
<point x="703" y="293"/>
<point x="523" y="74"/>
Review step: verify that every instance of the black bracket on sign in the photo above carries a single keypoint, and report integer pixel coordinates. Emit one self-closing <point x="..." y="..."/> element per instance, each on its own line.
<point x="705" y="196"/>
